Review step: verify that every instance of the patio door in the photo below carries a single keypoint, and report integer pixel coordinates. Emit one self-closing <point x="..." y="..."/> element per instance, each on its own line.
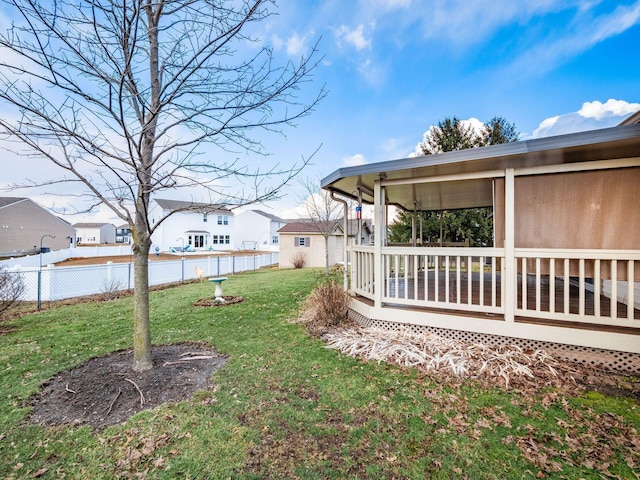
<point x="196" y="240"/>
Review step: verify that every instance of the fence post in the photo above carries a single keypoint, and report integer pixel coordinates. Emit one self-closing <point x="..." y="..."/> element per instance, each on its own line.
<point x="109" y="272"/>
<point x="218" y="272"/>
<point x="233" y="265"/>
<point x="182" y="262"/>
<point x="129" y="278"/>
<point x="39" y="287"/>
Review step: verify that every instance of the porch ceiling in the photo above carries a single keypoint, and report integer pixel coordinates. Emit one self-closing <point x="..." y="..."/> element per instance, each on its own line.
<point x="609" y="143"/>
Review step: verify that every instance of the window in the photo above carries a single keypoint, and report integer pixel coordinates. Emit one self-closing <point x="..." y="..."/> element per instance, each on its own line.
<point x="214" y="239"/>
<point x="227" y="239"/>
<point x="274" y="240"/>
<point x="302" y="241"/>
<point x="204" y="218"/>
<point x="223" y="220"/>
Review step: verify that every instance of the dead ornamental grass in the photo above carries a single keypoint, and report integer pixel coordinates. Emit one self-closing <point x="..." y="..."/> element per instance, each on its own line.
<point x="434" y="354"/>
<point x="325" y="315"/>
<point x="325" y="309"/>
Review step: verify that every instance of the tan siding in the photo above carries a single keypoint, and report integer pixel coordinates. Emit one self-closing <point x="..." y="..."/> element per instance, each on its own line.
<point x="315" y="253"/>
<point x="584" y="210"/>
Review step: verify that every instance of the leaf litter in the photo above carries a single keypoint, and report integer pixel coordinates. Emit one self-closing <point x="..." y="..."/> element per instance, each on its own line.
<point x="599" y="442"/>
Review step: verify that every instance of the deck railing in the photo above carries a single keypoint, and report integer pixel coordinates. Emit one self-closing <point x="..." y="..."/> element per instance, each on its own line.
<point x="579" y="285"/>
<point x="565" y="285"/>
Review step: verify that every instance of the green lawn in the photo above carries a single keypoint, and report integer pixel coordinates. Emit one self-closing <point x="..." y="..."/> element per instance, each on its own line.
<point x="284" y="406"/>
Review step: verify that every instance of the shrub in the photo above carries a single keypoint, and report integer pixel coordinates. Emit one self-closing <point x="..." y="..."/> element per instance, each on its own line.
<point x="325" y="308"/>
<point x="111" y="289"/>
<point x="11" y="288"/>
<point x="299" y="260"/>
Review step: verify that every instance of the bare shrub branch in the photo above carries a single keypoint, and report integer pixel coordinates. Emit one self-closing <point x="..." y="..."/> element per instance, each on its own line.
<point x="11" y="289"/>
<point x="325" y="308"/>
<point x="111" y="289"/>
<point x="299" y="260"/>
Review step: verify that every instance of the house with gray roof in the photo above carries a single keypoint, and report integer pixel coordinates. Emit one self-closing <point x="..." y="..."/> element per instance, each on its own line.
<point x="257" y="230"/>
<point x="26" y="226"/>
<point x="94" y="233"/>
<point x="191" y="226"/>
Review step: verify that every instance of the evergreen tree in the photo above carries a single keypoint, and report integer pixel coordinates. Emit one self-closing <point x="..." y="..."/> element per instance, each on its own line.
<point x="476" y="224"/>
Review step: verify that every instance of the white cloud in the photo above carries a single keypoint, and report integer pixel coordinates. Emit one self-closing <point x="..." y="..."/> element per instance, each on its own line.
<point x="611" y="108"/>
<point x="389" y="4"/>
<point x="472" y="122"/>
<point x="354" y="37"/>
<point x="462" y="21"/>
<point x="592" y="116"/>
<point x="583" y="35"/>
<point x="352" y="161"/>
<point x="295" y="45"/>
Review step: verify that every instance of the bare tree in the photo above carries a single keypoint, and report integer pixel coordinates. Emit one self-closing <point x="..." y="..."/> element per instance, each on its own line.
<point x="133" y="97"/>
<point x="322" y="211"/>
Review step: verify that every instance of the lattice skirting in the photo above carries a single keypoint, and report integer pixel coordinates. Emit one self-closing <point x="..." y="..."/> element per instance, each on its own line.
<point x="592" y="357"/>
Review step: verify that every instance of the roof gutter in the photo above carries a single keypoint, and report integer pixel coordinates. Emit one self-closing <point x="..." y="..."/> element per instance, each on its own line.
<point x="345" y="237"/>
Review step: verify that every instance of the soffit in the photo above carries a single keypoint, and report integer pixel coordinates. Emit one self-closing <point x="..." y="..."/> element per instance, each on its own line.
<point x="610" y="143"/>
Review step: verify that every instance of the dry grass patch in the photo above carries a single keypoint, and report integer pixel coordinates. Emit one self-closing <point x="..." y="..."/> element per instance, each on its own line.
<point x="435" y="355"/>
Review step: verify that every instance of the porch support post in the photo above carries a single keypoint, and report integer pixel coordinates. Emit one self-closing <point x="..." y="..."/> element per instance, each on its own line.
<point x="510" y="278"/>
<point x="379" y="238"/>
<point x="414" y="223"/>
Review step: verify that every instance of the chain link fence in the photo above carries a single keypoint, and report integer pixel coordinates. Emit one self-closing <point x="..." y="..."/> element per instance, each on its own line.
<point x="52" y="283"/>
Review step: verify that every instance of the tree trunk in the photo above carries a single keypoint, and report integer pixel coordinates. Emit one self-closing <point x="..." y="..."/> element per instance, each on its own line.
<point x="141" y="328"/>
<point x="141" y="234"/>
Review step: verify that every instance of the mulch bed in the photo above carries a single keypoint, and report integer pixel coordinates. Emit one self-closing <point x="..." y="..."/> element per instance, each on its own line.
<point x="210" y="302"/>
<point x="106" y="391"/>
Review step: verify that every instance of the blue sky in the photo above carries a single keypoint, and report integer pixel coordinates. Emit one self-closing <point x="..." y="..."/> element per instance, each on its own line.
<point x="393" y="68"/>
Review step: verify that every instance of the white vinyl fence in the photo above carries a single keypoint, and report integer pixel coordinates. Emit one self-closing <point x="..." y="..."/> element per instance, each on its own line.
<point x="58" y="283"/>
<point x="62" y="255"/>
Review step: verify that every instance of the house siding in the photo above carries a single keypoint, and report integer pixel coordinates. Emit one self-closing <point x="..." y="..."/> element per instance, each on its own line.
<point x="314" y="253"/>
<point x="174" y="232"/>
<point x="95" y="234"/>
<point x="253" y="226"/>
<point x="23" y="224"/>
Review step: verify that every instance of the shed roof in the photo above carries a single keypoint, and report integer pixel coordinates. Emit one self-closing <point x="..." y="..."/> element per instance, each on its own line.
<point x="616" y="142"/>
<point x="299" y="227"/>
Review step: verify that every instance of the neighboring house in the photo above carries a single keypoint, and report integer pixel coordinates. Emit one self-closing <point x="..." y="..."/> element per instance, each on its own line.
<point x="302" y="237"/>
<point x="191" y="226"/>
<point x="123" y="234"/>
<point x="566" y="245"/>
<point x="257" y="230"/>
<point x="95" y="233"/>
<point x="25" y="226"/>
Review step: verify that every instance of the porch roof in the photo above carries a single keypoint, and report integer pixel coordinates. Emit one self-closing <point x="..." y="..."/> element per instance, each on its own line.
<point x="610" y="143"/>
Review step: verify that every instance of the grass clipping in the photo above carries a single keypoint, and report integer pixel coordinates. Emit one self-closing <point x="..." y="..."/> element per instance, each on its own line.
<point x="433" y="354"/>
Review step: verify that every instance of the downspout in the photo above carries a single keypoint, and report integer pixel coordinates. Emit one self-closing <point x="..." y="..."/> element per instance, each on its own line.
<point x="345" y="241"/>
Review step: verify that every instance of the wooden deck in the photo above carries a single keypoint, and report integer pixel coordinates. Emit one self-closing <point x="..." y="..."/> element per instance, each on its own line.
<point x="426" y="291"/>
